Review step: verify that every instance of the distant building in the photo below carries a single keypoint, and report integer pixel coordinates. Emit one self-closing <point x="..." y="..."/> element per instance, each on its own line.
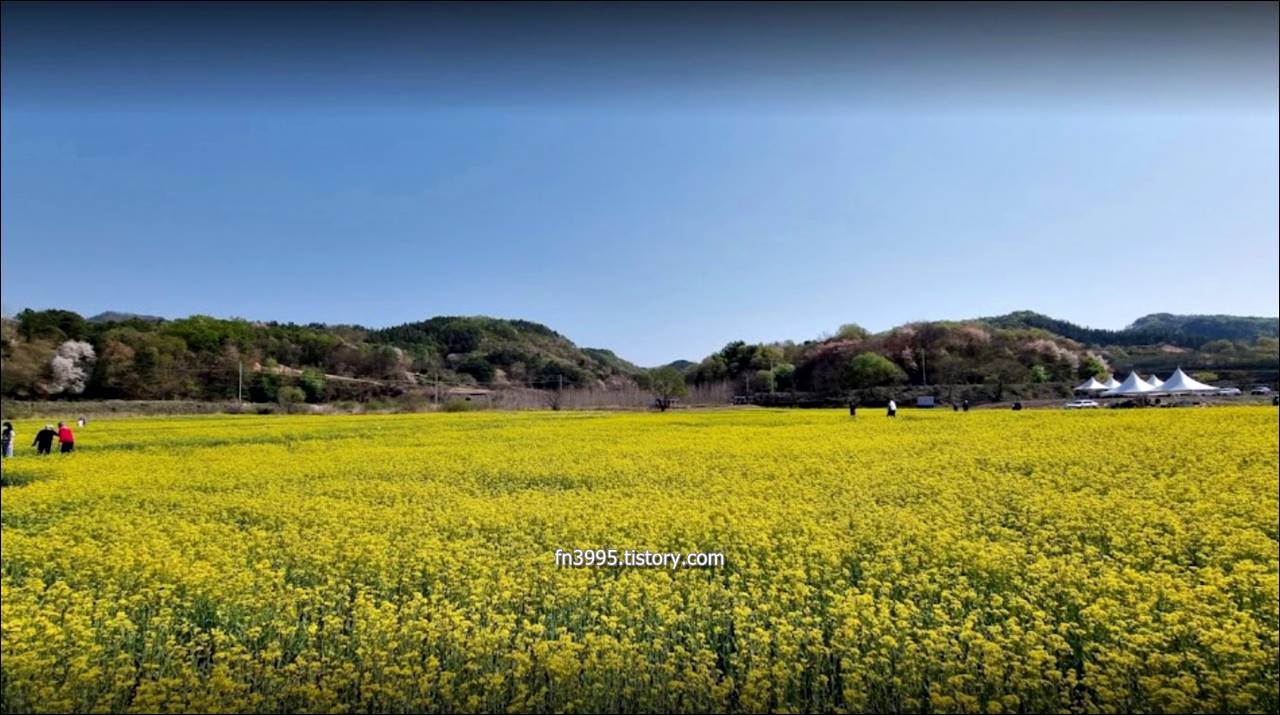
<point x="468" y="393"/>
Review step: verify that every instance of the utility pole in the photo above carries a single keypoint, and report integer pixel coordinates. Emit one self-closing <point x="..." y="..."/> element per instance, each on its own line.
<point x="240" y="383"/>
<point x="437" y="397"/>
<point x="924" y="376"/>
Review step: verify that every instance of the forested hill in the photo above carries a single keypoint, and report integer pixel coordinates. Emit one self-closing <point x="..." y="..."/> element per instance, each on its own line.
<point x="58" y="353"/>
<point x="1018" y="348"/>
<point x="1187" y="331"/>
<point x="122" y="355"/>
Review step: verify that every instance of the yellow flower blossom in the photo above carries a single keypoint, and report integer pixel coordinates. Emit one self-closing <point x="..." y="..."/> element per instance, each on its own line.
<point x="979" y="562"/>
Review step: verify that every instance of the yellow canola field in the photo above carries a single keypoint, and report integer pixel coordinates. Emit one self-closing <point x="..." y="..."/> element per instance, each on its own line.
<point x="1109" y="561"/>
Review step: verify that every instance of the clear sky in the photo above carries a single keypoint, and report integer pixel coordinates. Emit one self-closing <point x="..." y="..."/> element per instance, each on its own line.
<point x="658" y="180"/>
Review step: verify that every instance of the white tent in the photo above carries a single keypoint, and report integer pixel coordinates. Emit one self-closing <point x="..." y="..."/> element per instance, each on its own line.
<point x="1179" y="381"/>
<point x="1091" y="385"/>
<point x="1111" y="383"/>
<point x="1132" y="385"/>
<point x="1154" y="381"/>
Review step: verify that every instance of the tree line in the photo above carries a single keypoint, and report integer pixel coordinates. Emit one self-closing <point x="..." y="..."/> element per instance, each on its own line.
<point x="60" y="354"/>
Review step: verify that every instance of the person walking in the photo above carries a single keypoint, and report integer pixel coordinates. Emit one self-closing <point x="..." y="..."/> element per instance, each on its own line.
<point x="44" y="440"/>
<point x="66" y="440"/>
<point x="893" y="408"/>
<point x="7" y="438"/>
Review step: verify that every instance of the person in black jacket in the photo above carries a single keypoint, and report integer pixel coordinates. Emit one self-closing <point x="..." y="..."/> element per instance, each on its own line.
<point x="44" y="440"/>
<point x="7" y="440"/>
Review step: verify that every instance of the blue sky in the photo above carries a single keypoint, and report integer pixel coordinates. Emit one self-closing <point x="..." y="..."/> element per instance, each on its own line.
<point x="654" y="184"/>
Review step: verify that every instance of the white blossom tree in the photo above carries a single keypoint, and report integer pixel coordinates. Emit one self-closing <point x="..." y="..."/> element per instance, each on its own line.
<point x="70" y="367"/>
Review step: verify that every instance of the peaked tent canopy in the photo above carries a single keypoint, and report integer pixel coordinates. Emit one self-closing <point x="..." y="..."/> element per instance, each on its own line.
<point x="1111" y="383"/>
<point x="1154" y="381"/>
<point x="1132" y="385"/>
<point x="1179" y="381"/>
<point x="1091" y="385"/>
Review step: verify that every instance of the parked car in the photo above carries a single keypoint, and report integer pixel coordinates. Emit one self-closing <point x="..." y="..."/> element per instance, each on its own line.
<point x="1228" y="392"/>
<point x="1260" y="390"/>
<point x="1081" y="405"/>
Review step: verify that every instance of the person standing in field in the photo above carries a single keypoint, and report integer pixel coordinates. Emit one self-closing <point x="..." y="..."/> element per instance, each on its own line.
<point x="44" y="440"/>
<point x="893" y="408"/>
<point x="6" y="439"/>
<point x="66" y="440"/>
<point x="853" y="408"/>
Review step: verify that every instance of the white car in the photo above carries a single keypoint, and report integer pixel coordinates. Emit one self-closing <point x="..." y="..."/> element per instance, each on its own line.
<point x="1081" y="405"/>
<point x="1260" y="390"/>
<point x="1228" y="392"/>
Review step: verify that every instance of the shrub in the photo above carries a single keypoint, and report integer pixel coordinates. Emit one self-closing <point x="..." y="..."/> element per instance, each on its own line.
<point x="290" y="396"/>
<point x="457" y="404"/>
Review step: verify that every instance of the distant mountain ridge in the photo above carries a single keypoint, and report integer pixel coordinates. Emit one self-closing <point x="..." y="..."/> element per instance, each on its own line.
<point x="1187" y="331"/>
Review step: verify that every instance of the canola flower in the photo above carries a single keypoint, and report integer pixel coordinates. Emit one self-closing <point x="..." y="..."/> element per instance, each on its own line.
<point x="1117" y="561"/>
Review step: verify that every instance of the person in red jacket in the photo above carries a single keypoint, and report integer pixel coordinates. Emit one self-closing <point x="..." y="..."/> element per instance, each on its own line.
<point x="66" y="440"/>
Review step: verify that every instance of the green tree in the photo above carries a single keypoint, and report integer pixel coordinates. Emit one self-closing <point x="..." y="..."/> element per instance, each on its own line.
<point x="1092" y="367"/>
<point x="56" y="324"/>
<point x="737" y="357"/>
<point x="871" y="370"/>
<point x="461" y="335"/>
<point x="382" y="362"/>
<point x="666" y="384"/>
<point x="764" y="381"/>
<point x="712" y="369"/>
<point x="23" y="368"/>
<point x="312" y="383"/>
<point x="141" y="365"/>
<point x="1039" y="374"/>
<point x="204" y="334"/>
<point x="264" y="387"/>
<point x="1002" y="372"/>
<point x="766" y="356"/>
<point x="784" y="376"/>
<point x="477" y="367"/>
<point x="555" y="373"/>
<point x="852" y="331"/>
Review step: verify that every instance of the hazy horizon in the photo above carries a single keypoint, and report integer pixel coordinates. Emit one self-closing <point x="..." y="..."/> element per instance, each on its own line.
<point x="654" y="180"/>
